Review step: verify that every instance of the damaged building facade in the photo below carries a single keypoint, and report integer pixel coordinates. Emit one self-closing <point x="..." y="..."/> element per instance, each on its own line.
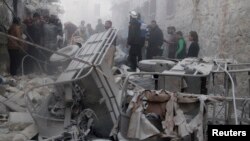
<point x="223" y="26"/>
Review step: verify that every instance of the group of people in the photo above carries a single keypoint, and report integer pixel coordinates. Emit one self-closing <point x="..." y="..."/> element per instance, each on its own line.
<point x="177" y="46"/>
<point x="84" y="32"/>
<point x="36" y="29"/>
<point x="152" y="37"/>
<point x="46" y="31"/>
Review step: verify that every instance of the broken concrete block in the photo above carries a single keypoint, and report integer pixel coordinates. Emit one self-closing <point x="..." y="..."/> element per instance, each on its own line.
<point x="35" y="97"/>
<point x="13" y="106"/>
<point x="44" y="91"/>
<point x="3" y="109"/>
<point x="12" y="82"/>
<point x="2" y="90"/>
<point x="7" y="137"/>
<point x="19" y="120"/>
<point x="12" y="89"/>
<point x="18" y="98"/>
<point x="19" y="137"/>
<point x="28" y="133"/>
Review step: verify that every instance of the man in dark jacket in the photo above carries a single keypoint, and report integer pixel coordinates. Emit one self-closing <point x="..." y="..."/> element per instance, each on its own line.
<point x="135" y="41"/>
<point x="34" y="33"/>
<point x="155" y="41"/>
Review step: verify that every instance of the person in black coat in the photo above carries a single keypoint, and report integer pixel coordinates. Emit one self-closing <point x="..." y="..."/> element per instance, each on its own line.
<point x="155" y="41"/>
<point x="135" y="41"/>
<point x="193" y="51"/>
<point x="194" y="47"/>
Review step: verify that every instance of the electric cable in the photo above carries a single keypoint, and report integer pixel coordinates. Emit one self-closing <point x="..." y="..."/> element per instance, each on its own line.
<point x="233" y="91"/>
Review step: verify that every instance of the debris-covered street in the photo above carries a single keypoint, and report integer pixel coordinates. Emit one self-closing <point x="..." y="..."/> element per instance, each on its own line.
<point x="124" y="70"/>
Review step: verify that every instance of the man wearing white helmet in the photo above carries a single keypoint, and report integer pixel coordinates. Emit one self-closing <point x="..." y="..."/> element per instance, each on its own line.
<point x="135" y="40"/>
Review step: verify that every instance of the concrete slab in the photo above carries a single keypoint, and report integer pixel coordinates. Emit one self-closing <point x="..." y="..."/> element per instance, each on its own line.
<point x="19" y="120"/>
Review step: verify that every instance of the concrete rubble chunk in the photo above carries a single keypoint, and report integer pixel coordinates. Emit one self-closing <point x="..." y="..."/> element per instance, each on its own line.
<point x="3" y="109"/>
<point x="7" y="137"/>
<point x="18" y="98"/>
<point x="26" y="134"/>
<point x="2" y="90"/>
<point x="13" y="106"/>
<point x="12" y="89"/>
<point x="19" y="120"/>
<point x="35" y="97"/>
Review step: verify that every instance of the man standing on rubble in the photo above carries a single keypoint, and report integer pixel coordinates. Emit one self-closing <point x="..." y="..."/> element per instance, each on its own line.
<point x="155" y="41"/>
<point x="34" y="33"/>
<point x="111" y="51"/>
<point x="108" y="25"/>
<point x="134" y="40"/>
<point x="99" y="27"/>
<point x="15" y="47"/>
<point x="82" y="31"/>
<point x="69" y="29"/>
<point x="89" y="30"/>
<point x="181" y="47"/>
<point x="172" y="42"/>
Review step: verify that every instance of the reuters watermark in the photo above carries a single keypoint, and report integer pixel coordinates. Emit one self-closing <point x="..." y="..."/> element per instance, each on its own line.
<point x="219" y="131"/>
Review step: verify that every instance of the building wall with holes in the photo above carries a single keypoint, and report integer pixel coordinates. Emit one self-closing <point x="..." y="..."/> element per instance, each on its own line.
<point x="223" y="26"/>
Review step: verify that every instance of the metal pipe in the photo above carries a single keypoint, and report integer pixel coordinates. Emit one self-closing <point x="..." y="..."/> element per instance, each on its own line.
<point x="240" y="64"/>
<point x="233" y="71"/>
<point x="233" y="93"/>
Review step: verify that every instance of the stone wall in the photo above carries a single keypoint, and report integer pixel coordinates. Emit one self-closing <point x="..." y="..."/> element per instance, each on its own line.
<point x="223" y="25"/>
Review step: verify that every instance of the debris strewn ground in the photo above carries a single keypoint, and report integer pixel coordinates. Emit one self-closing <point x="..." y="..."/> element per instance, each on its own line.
<point x="15" y="120"/>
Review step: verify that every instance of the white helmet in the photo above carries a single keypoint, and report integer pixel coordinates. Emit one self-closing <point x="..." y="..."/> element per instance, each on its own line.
<point x="133" y="14"/>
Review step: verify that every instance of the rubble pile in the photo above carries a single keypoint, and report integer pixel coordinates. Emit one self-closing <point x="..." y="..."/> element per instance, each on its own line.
<point x="16" y="122"/>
